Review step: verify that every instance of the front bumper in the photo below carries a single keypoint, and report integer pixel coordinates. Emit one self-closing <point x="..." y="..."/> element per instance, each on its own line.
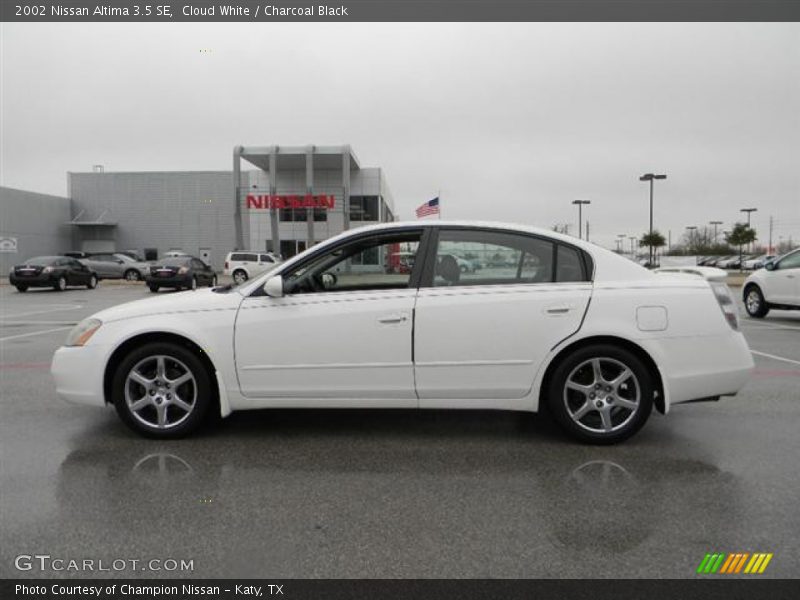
<point x="77" y="374"/>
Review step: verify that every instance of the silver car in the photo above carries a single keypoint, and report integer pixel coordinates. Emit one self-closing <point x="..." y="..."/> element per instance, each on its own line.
<point x="116" y="266"/>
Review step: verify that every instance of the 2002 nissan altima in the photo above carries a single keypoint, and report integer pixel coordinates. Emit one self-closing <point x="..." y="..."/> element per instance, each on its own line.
<point x="542" y="319"/>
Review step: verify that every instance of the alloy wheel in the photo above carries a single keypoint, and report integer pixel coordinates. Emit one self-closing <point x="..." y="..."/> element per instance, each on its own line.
<point x="602" y="395"/>
<point x="753" y="302"/>
<point x="240" y="277"/>
<point x="160" y="391"/>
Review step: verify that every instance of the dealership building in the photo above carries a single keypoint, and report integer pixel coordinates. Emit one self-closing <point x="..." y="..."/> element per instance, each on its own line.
<point x="275" y="198"/>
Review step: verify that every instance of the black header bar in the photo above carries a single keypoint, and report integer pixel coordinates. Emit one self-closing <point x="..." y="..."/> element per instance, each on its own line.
<point x="161" y="11"/>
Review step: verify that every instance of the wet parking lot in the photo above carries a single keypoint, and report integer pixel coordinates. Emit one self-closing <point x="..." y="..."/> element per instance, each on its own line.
<point x="392" y="493"/>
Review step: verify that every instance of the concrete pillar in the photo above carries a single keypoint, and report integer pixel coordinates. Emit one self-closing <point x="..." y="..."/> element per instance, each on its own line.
<point x="346" y="185"/>
<point x="310" y="190"/>
<point x="237" y="203"/>
<point x="273" y="189"/>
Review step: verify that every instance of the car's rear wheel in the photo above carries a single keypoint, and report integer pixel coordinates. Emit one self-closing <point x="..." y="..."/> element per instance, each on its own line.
<point x="153" y="288"/>
<point x="239" y="276"/>
<point x="754" y="302"/>
<point x="132" y="275"/>
<point x="213" y="282"/>
<point x="601" y="394"/>
<point x="22" y="288"/>
<point x="92" y="282"/>
<point x="162" y="390"/>
<point x="61" y="284"/>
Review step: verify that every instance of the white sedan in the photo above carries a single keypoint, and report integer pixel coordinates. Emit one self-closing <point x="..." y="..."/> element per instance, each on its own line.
<point x="596" y="338"/>
<point x="777" y="285"/>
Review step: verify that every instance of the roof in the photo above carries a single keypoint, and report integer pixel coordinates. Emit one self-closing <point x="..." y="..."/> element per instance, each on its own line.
<point x="294" y="157"/>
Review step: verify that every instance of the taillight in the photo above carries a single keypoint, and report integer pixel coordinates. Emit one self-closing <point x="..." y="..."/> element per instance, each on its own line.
<point x="726" y="302"/>
<point x="226" y="264"/>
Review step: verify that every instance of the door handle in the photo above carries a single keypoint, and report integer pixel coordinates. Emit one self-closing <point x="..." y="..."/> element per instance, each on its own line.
<point x="558" y="310"/>
<point x="389" y="319"/>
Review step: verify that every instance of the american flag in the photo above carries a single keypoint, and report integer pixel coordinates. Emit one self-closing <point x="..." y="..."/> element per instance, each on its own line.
<point x="431" y="207"/>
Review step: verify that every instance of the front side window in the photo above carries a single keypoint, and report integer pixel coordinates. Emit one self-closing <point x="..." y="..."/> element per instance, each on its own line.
<point x="372" y="263"/>
<point x="473" y="257"/>
<point x="792" y="261"/>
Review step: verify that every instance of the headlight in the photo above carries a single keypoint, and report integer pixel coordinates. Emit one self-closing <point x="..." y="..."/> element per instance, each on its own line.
<point x="81" y="333"/>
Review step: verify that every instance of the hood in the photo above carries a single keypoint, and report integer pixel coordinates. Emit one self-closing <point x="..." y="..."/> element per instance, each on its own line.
<point x="176" y="302"/>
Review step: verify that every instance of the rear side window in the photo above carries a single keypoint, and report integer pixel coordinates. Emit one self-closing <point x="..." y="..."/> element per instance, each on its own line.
<point x="569" y="266"/>
<point x="244" y="257"/>
<point x="266" y="258"/>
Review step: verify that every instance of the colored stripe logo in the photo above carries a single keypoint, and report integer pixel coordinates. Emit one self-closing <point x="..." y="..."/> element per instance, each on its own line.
<point x="735" y="562"/>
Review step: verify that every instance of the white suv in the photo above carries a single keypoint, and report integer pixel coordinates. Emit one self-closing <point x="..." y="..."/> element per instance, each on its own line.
<point x="777" y="285"/>
<point x="244" y="265"/>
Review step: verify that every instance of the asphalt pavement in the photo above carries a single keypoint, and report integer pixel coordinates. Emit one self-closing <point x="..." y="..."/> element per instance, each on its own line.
<point x="315" y="493"/>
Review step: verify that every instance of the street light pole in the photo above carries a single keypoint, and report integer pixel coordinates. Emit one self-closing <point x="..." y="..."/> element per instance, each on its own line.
<point x="748" y="211"/>
<point x="715" y="223"/>
<point x="580" y="204"/>
<point x="651" y="177"/>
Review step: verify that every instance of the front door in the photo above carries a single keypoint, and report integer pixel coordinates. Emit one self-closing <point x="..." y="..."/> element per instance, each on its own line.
<point x="491" y="310"/>
<point x="343" y="328"/>
<point x="784" y="282"/>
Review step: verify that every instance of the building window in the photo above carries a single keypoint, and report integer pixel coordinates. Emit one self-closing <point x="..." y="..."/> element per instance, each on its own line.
<point x="293" y="214"/>
<point x="364" y="208"/>
<point x="320" y="214"/>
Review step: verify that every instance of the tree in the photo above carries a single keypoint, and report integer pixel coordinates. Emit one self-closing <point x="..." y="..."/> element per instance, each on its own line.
<point x="652" y="240"/>
<point x="740" y="235"/>
<point x="561" y="228"/>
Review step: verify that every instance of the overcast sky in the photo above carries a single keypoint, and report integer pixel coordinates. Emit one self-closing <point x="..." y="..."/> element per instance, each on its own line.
<point x="510" y="121"/>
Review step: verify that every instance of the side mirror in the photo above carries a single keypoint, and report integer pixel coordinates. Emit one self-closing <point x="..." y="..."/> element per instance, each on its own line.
<point x="274" y="287"/>
<point x="770" y="266"/>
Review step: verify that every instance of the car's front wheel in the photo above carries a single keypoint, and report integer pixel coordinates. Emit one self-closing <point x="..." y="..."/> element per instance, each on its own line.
<point x="162" y="390"/>
<point x="22" y="288"/>
<point x="601" y="394"/>
<point x="132" y="275"/>
<point x="92" y="282"/>
<point x="61" y="284"/>
<point x="153" y="288"/>
<point x="213" y="283"/>
<point x="754" y="302"/>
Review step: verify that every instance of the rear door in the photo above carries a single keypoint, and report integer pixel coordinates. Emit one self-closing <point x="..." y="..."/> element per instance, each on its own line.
<point x="783" y="283"/>
<point x="483" y="333"/>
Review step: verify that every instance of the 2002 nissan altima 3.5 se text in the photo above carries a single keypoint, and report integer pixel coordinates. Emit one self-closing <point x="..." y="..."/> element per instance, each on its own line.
<point x="542" y="319"/>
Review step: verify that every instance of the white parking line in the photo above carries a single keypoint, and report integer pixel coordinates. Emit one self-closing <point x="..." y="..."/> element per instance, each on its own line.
<point x="773" y="357"/>
<point x="22" y="335"/>
<point x="54" y="308"/>
<point x="768" y="325"/>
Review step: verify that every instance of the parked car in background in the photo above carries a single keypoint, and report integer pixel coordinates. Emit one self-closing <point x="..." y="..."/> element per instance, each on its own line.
<point x="76" y="254"/>
<point x="757" y="262"/>
<point x="57" y="272"/>
<point x="116" y="266"/>
<point x="174" y="253"/>
<point x="242" y="266"/>
<point x="777" y="286"/>
<point x="594" y="338"/>
<point x="180" y="272"/>
<point x="715" y="261"/>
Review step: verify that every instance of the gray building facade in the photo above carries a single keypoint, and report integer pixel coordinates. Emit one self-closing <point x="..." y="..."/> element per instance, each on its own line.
<point x="288" y="199"/>
<point x="31" y="225"/>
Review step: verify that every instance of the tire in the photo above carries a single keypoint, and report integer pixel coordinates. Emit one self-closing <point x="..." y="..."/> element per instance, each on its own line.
<point x="153" y="288"/>
<point x="213" y="283"/>
<point x="61" y="284"/>
<point x="92" y="282"/>
<point x="240" y="276"/>
<point x="22" y="288"/>
<point x="599" y="410"/>
<point x="132" y="275"/>
<point x="754" y="302"/>
<point x="146" y="379"/>
<point x="194" y="284"/>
